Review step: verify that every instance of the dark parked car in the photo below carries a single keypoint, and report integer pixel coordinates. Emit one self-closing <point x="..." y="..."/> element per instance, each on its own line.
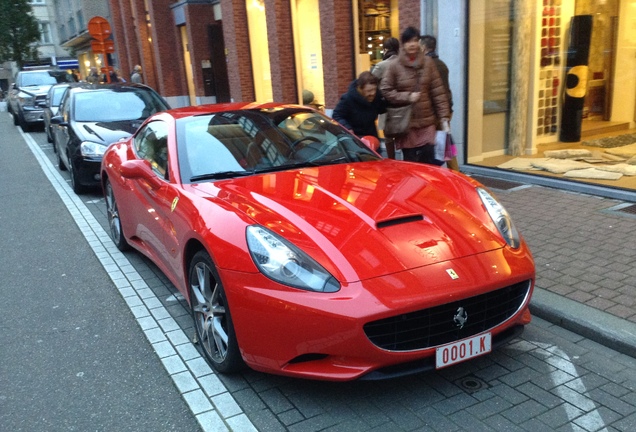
<point x="94" y="116"/>
<point x="51" y="105"/>
<point x="28" y="93"/>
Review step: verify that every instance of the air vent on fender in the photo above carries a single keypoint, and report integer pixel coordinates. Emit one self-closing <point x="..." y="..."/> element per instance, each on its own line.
<point x="399" y="220"/>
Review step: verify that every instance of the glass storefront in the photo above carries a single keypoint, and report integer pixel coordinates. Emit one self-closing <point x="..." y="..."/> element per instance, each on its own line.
<point x="552" y="88"/>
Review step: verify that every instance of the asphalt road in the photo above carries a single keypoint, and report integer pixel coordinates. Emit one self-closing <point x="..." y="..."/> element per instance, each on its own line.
<point x="95" y="340"/>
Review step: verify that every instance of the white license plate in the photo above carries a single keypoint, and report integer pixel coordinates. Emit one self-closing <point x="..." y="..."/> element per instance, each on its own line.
<point x="462" y="350"/>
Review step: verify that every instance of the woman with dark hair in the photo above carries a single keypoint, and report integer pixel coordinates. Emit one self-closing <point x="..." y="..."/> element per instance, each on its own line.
<point x="358" y="109"/>
<point x="414" y="79"/>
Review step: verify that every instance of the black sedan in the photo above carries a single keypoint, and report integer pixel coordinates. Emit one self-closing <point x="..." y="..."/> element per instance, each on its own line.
<point x="51" y="106"/>
<point x="92" y="117"/>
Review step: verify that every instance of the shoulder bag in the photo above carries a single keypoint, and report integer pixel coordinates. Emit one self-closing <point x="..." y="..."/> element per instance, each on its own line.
<point x="398" y="118"/>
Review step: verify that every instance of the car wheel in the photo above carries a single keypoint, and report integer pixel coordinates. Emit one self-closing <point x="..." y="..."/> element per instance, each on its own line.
<point x="211" y="314"/>
<point x="48" y="135"/>
<point x="60" y="162"/>
<point x="78" y="188"/>
<point x="15" y="117"/>
<point x="114" y="221"/>
<point x="23" y="124"/>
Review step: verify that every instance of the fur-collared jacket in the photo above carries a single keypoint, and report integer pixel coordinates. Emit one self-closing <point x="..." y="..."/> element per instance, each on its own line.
<point x="404" y="76"/>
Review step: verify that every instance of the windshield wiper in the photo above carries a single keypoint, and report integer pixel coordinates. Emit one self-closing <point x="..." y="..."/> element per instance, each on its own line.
<point x="221" y="175"/>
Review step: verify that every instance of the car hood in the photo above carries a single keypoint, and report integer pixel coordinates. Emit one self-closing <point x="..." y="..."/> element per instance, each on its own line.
<point x="106" y="132"/>
<point x="36" y="90"/>
<point x="370" y="219"/>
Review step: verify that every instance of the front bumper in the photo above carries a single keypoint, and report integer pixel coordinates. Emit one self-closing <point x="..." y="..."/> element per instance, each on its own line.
<point x="88" y="171"/>
<point x="33" y="115"/>
<point x="321" y="336"/>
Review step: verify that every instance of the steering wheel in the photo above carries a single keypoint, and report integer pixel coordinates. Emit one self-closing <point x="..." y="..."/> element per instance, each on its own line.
<point x="304" y="138"/>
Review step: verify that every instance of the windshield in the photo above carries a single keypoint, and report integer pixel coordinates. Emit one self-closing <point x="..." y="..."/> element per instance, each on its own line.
<point x="112" y="105"/>
<point x="58" y="92"/>
<point x="246" y="142"/>
<point x="44" y="78"/>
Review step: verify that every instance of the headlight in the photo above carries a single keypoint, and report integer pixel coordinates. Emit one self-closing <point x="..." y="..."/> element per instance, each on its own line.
<point x="283" y="262"/>
<point x="501" y="218"/>
<point x="26" y="100"/>
<point x="89" y="148"/>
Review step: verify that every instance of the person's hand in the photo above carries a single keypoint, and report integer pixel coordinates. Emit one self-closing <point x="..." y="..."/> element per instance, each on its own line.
<point x="445" y="125"/>
<point x="414" y="97"/>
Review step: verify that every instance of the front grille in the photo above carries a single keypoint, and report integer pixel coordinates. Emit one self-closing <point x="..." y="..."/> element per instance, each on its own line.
<point x="40" y="101"/>
<point x="436" y="326"/>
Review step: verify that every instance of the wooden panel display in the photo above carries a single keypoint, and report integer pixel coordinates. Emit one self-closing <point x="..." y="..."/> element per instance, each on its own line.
<point x="375" y="27"/>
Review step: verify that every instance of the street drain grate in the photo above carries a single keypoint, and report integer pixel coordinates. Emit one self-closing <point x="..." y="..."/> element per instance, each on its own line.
<point x="631" y="209"/>
<point x="471" y="384"/>
<point x="496" y="183"/>
<point x="624" y="209"/>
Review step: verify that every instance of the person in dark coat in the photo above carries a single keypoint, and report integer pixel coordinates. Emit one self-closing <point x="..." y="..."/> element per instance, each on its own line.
<point x="429" y="45"/>
<point x="358" y="109"/>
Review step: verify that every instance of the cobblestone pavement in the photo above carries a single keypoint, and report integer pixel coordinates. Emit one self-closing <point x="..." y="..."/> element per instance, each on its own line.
<point x="548" y="379"/>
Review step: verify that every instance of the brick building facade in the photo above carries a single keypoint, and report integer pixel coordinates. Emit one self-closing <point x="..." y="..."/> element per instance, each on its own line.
<point x="156" y="34"/>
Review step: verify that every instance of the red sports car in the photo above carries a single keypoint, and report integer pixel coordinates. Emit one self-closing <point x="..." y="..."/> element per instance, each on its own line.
<point x="302" y="252"/>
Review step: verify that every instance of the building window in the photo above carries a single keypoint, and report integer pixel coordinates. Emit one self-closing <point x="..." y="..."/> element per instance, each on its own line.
<point x="37" y="2"/>
<point x="62" y="32"/>
<point x="45" y="32"/>
<point x="80" y="20"/>
<point x="71" y="26"/>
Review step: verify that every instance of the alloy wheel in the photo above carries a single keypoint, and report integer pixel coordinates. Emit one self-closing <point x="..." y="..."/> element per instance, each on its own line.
<point x="208" y="305"/>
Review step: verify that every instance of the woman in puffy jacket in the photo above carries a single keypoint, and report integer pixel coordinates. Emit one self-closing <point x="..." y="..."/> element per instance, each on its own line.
<point x="414" y="79"/>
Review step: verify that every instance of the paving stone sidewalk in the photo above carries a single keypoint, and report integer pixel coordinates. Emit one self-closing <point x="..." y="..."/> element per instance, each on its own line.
<point x="585" y="253"/>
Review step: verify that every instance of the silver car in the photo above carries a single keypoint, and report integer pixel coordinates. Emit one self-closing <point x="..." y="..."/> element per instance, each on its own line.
<point x="28" y="93"/>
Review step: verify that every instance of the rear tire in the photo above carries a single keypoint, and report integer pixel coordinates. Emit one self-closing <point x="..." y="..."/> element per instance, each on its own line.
<point x="114" y="220"/>
<point x="60" y="162"/>
<point x="211" y="315"/>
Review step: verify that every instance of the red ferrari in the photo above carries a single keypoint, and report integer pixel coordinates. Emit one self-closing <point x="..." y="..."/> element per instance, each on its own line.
<point x="302" y="252"/>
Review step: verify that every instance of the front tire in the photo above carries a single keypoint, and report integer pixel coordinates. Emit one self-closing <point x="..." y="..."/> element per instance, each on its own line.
<point x="114" y="221"/>
<point x="78" y="188"/>
<point x="211" y="315"/>
<point x="14" y="115"/>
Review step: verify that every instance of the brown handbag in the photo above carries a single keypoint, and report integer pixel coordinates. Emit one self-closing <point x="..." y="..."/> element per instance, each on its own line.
<point x="397" y="121"/>
<point x="398" y="118"/>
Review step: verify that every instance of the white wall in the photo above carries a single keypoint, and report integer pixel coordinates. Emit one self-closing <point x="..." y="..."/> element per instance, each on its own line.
<point x="451" y="48"/>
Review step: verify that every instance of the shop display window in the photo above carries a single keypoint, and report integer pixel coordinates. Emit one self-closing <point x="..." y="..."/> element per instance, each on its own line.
<point x="375" y="27"/>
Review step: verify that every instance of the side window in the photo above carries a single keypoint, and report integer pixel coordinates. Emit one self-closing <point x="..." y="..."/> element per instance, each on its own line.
<point x="151" y="143"/>
<point x="64" y="105"/>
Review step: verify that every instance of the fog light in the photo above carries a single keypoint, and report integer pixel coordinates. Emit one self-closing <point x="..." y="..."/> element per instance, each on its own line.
<point x="97" y="177"/>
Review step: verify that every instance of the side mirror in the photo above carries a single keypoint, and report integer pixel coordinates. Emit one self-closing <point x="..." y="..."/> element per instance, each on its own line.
<point x="372" y="142"/>
<point x="140" y="169"/>
<point x="58" y="120"/>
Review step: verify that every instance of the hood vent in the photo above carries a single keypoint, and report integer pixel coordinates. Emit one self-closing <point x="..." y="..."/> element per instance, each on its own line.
<point x="399" y="221"/>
